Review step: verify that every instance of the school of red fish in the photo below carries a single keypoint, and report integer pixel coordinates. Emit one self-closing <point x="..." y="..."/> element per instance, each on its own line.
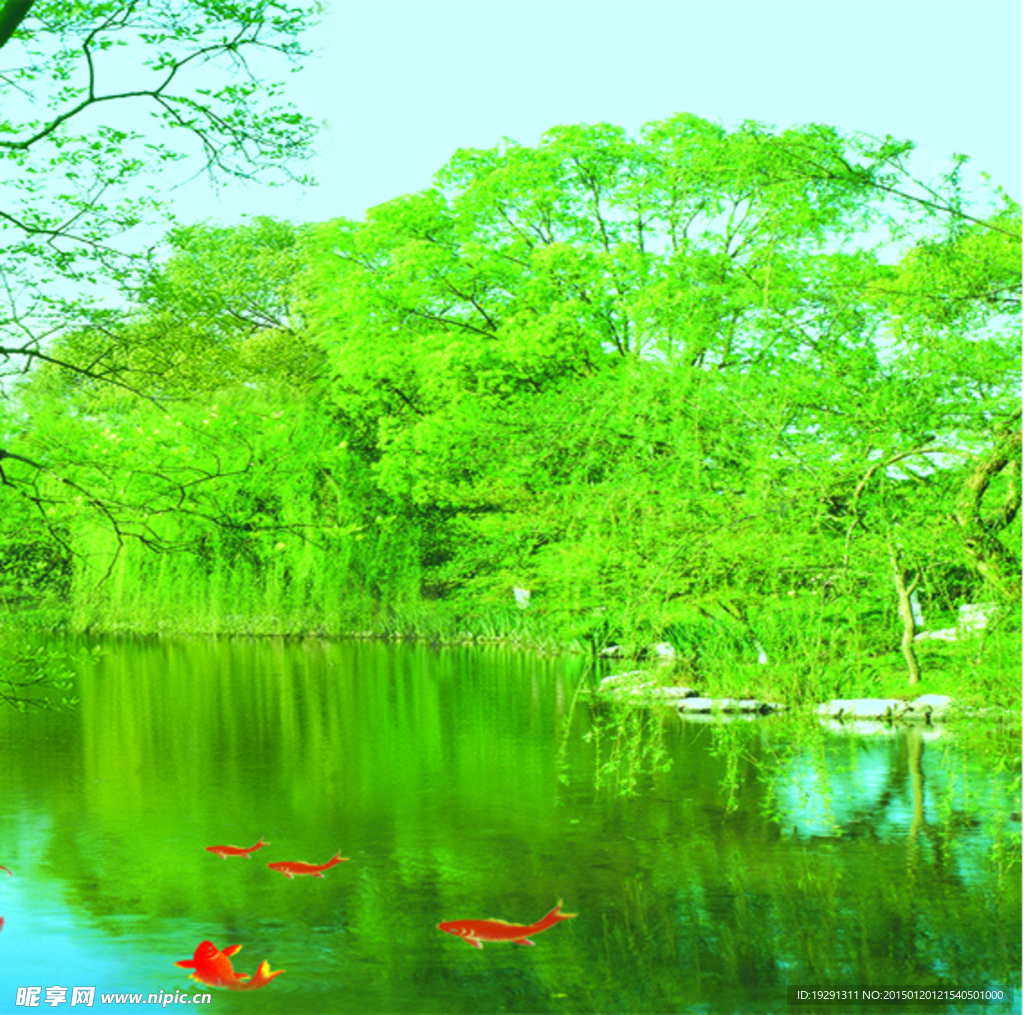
<point x="212" y="967"/>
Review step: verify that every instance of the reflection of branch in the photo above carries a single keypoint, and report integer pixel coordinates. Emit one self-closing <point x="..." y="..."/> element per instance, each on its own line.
<point x="915" y="750"/>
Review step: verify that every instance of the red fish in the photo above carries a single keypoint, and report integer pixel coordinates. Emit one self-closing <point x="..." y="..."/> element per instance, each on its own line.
<point x="8" y="869"/>
<point x="213" y="967"/>
<point x="225" y="851"/>
<point x="289" y="868"/>
<point x="476" y="931"/>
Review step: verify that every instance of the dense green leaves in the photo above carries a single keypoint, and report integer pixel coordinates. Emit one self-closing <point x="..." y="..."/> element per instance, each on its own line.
<point x="100" y="101"/>
<point x="665" y="383"/>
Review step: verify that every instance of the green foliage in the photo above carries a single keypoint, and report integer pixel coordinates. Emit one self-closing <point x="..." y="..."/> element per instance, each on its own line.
<point x="629" y="746"/>
<point x="660" y="382"/>
<point x="200" y="70"/>
<point x="31" y="671"/>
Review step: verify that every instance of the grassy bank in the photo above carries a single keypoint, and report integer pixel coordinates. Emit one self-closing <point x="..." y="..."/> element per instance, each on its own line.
<point x="810" y="658"/>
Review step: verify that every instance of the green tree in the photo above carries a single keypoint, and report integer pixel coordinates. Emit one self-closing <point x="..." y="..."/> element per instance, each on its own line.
<point x="100" y="101"/>
<point x="667" y="371"/>
<point x="216" y="337"/>
<point x="223" y="309"/>
<point x="80" y="162"/>
<point x="664" y="383"/>
<point x="955" y="301"/>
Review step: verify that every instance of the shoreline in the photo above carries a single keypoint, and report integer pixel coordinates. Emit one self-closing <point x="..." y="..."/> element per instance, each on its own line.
<point x="719" y="677"/>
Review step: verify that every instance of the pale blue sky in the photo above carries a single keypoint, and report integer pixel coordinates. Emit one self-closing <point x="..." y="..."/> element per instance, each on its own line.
<point x="402" y="84"/>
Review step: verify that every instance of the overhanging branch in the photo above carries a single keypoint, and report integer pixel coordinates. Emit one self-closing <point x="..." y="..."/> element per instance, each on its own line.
<point x="12" y="14"/>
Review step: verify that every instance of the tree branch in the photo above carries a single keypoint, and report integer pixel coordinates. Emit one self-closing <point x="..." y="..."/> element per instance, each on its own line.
<point x="12" y="14"/>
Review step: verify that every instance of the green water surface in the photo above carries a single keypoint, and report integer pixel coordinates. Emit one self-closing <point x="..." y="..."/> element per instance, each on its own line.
<point x="469" y="784"/>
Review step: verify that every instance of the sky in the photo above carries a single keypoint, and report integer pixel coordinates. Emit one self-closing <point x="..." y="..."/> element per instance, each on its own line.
<point x="400" y="85"/>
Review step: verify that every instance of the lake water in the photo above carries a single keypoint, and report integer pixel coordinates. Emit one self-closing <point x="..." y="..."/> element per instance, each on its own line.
<point x="479" y="784"/>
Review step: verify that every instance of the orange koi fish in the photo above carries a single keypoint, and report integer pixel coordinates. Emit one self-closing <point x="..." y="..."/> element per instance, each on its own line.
<point x="477" y="931"/>
<point x="289" y="868"/>
<point x="8" y="869"/>
<point x="225" y="851"/>
<point x="213" y="967"/>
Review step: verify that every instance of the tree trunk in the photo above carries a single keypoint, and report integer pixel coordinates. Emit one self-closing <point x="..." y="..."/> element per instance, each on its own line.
<point x="988" y="555"/>
<point x="12" y="13"/>
<point x="904" y="591"/>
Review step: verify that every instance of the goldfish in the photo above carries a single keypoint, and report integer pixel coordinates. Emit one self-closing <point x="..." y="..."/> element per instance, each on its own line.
<point x="213" y="967"/>
<point x="225" y="851"/>
<point x="289" y="868"/>
<point x="477" y="931"/>
<point x="8" y="869"/>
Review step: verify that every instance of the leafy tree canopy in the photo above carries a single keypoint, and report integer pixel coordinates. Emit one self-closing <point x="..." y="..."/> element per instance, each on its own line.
<point x="655" y="358"/>
<point x="101" y="99"/>
<point x="700" y="376"/>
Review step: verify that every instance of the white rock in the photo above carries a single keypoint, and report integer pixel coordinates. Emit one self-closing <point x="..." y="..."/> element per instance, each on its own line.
<point x="717" y="717"/>
<point x="945" y="634"/>
<point x="933" y="706"/>
<point x="640" y="684"/>
<point x="750" y="705"/>
<point x="522" y="597"/>
<point x="696" y="705"/>
<point x="975" y="617"/>
<point x="863" y="708"/>
<point x="629" y="678"/>
<point x="663" y="650"/>
<point x="675" y="692"/>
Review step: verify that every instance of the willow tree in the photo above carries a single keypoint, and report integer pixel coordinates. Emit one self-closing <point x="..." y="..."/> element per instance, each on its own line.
<point x="651" y="374"/>
<point x="193" y="460"/>
<point x="105" y="107"/>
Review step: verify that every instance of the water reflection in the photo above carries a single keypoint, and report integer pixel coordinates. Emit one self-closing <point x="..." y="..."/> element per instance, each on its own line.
<point x="461" y="783"/>
<point x="901" y="784"/>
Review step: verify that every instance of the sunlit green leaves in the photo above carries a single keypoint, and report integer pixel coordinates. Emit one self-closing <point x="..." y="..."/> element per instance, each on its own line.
<point x="664" y="383"/>
<point x="32" y="672"/>
<point x="668" y="369"/>
<point x="80" y="159"/>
